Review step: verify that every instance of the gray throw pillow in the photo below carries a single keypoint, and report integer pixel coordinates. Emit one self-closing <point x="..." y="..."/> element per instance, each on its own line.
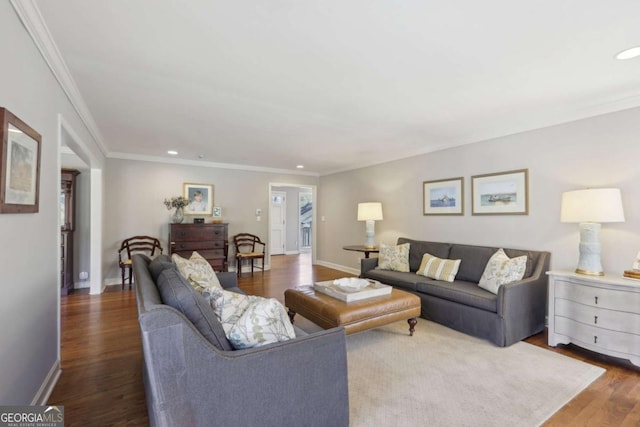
<point x="158" y="265"/>
<point x="178" y="293"/>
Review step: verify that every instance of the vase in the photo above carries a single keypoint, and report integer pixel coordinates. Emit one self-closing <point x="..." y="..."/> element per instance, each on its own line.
<point x="177" y="217"/>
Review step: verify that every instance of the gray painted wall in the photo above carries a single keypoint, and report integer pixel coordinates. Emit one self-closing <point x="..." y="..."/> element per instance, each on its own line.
<point x="30" y="250"/>
<point x="136" y="189"/>
<point x="599" y="152"/>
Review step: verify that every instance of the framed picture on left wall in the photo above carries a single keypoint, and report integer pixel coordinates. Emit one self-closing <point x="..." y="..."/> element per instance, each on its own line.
<point x="19" y="165"/>
<point x="443" y="197"/>
<point x="201" y="199"/>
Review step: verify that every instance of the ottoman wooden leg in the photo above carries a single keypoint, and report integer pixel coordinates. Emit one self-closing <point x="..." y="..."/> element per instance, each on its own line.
<point x="292" y="314"/>
<point x="412" y="325"/>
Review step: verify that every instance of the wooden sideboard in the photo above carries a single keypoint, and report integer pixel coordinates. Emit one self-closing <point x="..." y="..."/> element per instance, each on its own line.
<point x="209" y="240"/>
<point x="599" y="313"/>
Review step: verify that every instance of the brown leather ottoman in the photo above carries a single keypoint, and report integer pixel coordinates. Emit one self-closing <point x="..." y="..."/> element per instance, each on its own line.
<point x="328" y="312"/>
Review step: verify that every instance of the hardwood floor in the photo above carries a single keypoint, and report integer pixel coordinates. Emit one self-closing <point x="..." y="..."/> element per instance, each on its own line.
<point x="101" y="381"/>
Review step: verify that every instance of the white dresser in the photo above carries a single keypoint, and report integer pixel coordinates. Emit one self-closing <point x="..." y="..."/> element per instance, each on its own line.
<point x="599" y="313"/>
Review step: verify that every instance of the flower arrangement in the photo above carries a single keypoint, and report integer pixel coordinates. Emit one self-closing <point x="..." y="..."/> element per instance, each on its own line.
<point x="176" y="202"/>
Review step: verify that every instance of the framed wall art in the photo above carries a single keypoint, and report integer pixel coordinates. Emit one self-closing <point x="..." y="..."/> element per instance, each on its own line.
<point x="19" y="165"/>
<point x="502" y="193"/>
<point x="443" y="197"/>
<point x="201" y="199"/>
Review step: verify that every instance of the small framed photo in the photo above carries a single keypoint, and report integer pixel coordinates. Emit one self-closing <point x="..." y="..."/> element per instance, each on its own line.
<point x="217" y="212"/>
<point x="19" y="165"/>
<point x="200" y="197"/>
<point x="502" y="193"/>
<point x="443" y="197"/>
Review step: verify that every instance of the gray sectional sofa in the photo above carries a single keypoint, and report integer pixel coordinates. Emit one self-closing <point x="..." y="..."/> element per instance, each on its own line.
<point x="193" y="377"/>
<point x="516" y="312"/>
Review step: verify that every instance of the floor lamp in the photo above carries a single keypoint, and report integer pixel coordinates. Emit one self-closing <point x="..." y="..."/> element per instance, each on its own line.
<point x="589" y="208"/>
<point x="370" y="212"/>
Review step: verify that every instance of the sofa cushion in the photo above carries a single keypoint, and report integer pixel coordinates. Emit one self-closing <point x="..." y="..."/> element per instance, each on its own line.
<point x="532" y="259"/>
<point x="176" y="292"/>
<point x="158" y="265"/>
<point x="398" y="279"/>
<point x="197" y="271"/>
<point x="394" y="258"/>
<point x="474" y="260"/>
<point x="438" y="268"/>
<point x="501" y="270"/>
<point x="462" y="292"/>
<point x="419" y="248"/>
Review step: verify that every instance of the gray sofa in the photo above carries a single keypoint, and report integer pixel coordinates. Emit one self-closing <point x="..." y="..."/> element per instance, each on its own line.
<point x="516" y="312"/>
<point x="193" y="377"/>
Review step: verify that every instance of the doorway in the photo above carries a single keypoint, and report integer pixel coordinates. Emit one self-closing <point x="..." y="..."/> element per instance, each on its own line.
<point x="292" y="206"/>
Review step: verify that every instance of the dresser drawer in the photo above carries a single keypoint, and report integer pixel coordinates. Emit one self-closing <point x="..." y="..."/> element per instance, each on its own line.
<point x="207" y="254"/>
<point x="197" y="246"/>
<point x="197" y="232"/>
<point x="598" y="317"/>
<point x="599" y="338"/>
<point x="598" y="297"/>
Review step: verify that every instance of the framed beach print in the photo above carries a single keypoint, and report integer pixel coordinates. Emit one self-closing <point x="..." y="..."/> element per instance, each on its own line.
<point x="502" y="193"/>
<point x="19" y="165"/>
<point x="201" y="199"/>
<point x="443" y="197"/>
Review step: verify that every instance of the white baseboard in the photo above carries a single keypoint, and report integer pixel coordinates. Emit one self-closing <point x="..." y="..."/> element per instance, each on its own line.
<point x="291" y="252"/>
<point x="339" y="267"/>
<point x="45" y="390"/>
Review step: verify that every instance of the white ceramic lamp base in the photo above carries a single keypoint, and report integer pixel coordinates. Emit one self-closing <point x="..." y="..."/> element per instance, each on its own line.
<point x="589" y="261"/>
<point x="370" y="243"/>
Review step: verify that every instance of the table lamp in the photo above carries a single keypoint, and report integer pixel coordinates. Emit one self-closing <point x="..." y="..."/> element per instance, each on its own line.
<point x="370" y="212"/>
<point x="590" y="207"/>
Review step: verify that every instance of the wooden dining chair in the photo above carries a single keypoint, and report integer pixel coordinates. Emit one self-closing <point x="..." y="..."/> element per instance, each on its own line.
<point x="134" y="245"/>
<point x="248" y="247"/>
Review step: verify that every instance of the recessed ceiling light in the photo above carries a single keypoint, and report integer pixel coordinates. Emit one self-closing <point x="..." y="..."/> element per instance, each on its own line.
<point x="172" y="152"/>
<point x="629" y="53"/>
<point x="300" y="166"/>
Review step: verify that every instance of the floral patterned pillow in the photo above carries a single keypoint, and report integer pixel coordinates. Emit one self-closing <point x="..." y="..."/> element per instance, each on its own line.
<point x="394" y="258"/>
<point x="250" y="321"/>
<point x="197" y="271"/>
<point x="501" y="270"/>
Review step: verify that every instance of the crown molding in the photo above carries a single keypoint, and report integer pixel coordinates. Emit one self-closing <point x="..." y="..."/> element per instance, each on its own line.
<point x="200" y="163"/>
<point x="33" y="22"/>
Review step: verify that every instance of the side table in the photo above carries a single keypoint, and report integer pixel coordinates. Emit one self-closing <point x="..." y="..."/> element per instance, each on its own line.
<point x="361" y="248"/>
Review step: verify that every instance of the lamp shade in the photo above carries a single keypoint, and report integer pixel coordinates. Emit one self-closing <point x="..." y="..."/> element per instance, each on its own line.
<point x="370" y="211"/>
<point x="592" y="205"/>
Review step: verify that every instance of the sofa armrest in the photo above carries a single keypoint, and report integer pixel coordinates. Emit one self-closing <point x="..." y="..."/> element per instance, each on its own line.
<point x="523" y="303"/>
<point x="228" y="279"/>
<point x="367" y="264"/>
<point x="301" y="381"/>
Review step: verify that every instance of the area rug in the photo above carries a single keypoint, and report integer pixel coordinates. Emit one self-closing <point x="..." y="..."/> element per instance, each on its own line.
<point x="441" y="377"/>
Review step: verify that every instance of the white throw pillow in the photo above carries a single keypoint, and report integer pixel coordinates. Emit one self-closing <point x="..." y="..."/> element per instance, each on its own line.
<point x="251" y="321"/>
<point x="501" y="270"/>
<point x="438" y="268"/>
<point x="394" y="258"/>
<point x="197" y="271"/>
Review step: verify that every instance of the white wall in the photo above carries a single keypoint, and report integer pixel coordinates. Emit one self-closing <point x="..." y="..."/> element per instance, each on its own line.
<point x="30" y="266"/>
<point x="135" y="191"/>
<point x="597" y="152"/>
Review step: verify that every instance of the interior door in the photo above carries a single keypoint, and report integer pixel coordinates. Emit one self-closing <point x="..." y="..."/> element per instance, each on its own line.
<point x="278" y="222"/>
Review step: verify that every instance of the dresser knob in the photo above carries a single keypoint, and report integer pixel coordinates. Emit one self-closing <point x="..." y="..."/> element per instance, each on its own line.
<point x="595" y="320"/>
<point x="596" y="300"/>
<point x="595" y="339"/>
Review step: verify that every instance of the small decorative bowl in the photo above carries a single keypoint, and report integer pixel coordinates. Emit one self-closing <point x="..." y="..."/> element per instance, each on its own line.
<point x="351" y="284"/>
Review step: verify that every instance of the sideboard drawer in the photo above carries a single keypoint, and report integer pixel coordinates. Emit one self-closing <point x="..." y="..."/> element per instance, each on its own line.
<point x="598" y="297"/>
<point x="592" y="336"/>
<point x="198" y="246"/>
<point x="197" y="232"/>
<point x="598" y="317"/>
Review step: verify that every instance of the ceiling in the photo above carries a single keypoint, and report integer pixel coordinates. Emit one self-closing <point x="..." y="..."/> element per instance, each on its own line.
<point x="338" y="84"/>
